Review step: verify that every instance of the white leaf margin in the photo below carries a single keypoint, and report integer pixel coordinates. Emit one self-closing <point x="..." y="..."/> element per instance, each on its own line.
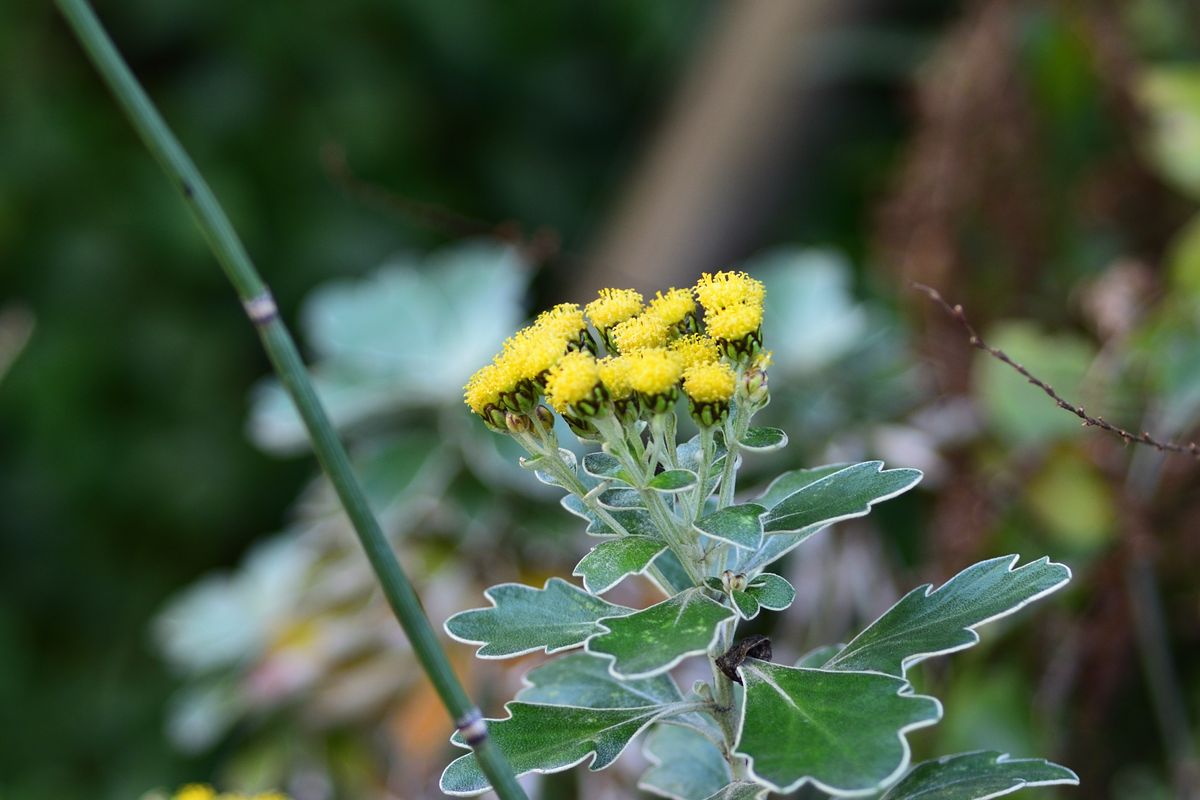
<point x="1005" y="758"/>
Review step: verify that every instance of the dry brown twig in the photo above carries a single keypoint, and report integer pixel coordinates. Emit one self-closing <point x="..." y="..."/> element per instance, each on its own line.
<point x="976" y="341"/>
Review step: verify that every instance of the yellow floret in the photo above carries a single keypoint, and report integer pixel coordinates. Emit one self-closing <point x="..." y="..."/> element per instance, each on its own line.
<point x="655" y="371"/>
<point x="731" y="323"/>
<point x="724" y="289"/>
<point x="673" y="307"/>
<point x="613" y="307"/>
<point x="710" y="383"/>
<point x="195" y="791"/>
<point x="614" y="374"/>
<point x="531" y="351"/>
<point x="484" y="388"/>
<point x="565" y="319"/>
<point x="572" y="380"/>
<point x="695" y="349"/>
<point x="640" y="333"/>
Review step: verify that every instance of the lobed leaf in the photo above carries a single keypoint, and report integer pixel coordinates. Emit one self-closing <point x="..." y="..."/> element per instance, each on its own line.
<point x="842" y="731"/>
<point x="523" y="619"/>
<point x="610" y="561"/>
<point x="655" y="639"/>
<point x="582" y="679"/>
<point x="636" y="521"/>
<point x="741" y="790"/>
<point x="686" y="765"/>
<point x="772" y="591"/>
<point x="740" y="526"/>
<point x="926" y="623"/>
<point x="977" y="776"/>
<point x="551" y="738"/>
<point x="793" y="481"/>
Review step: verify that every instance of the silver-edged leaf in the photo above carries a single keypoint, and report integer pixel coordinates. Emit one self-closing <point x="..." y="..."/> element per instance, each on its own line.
<point x="978" y="776"/>
<point x="672" y="569"/>
<point x="612" y="560"/>
<point x="635" y="521"/>
<point x="763" y="439"/>
<point x="793" y="481"/>
<point x="550" y="738"/>
<point x="747" y="607"/>
<point x="842" y="731"/>
<point x="523" y="619"/>
<point x="927" y="622"/>
<point x="657" y="638"/>
<point x="620" y="498"/>
<point x="686" y="765"/>
<point x="606" y="466"/>
<point x="740" y="790"/>
<point x="673" y="480"/>
<point x="740" y="526"/>
<point x="772" y="591"/>
<point x="581" y="679"/>
<point x="818" y="656"/>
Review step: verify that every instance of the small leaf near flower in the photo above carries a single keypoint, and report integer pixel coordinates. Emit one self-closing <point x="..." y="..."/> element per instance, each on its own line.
<point x="673" y="480"/>
<point x="763" y="439"/>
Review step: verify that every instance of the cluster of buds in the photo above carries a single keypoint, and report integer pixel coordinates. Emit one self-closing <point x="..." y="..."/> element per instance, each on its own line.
<point x="633" y="360"/>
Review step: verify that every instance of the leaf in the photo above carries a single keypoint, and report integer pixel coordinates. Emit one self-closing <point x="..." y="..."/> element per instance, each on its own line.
<point x="745" y="604"/>
<point x="793" y="481"/>
<point x="610" y="561"/>
<point x="673" y="480"/>
<point x="672" y="569"/>
<point x="655" y="639"/>
<point x="843" y="731"/>
<point x="927" y="623"/>
<point x="742" y="790"/>
<point x="977" y="776"/>
<point x="763" y="439"/>
<point x="636" y="521"/>
<point x="604" y="465"/>
<point x="524" y="619"/>
<point x="771" y="591"/>
<point x="581" y="679"/>
<point x="546" y="738"/>
<point x="620" y="498"/>
<point x="689" y="455"/>
<point x="818" y="656"/>
<point x="740" y="526"/>
<point x="549" y="478"/>
<point x="848" y="493"/>
<point x="686" y="765"/>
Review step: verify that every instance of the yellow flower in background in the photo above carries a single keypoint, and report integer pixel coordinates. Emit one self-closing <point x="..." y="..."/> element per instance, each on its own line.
<point x="728" y="289"/>
<point x="573" y="384"/>
<point x="197" y="791"/>
<point x="613" y="307"/>
<point x="640" y="333"/>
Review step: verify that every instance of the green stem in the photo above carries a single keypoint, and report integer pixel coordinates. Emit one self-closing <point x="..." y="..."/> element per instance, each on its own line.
<point x="281" y="350"/>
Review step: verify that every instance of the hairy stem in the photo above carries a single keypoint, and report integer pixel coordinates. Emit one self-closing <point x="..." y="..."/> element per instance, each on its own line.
<point x="285" y="358"/>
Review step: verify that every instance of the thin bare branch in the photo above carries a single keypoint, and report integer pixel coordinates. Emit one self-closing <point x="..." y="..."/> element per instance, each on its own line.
<point x="976" y="341"/>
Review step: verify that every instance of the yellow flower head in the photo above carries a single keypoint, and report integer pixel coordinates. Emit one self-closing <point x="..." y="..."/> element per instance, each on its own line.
<point x="572" y="381"/>
<point x="532" y="351"/>
<point x="639" y="333"/>
<point x="673" y="308"/>
<point x="195" y="791"/>
<point x="709" y="383"/>
<point x="695" y="349"/>
<point x="735" y="322"/>
<point x="484" y="388"/>
<point x="614" y="374"/>
<point x="654" y="371"/>
<point x="565" y="320"/>
<point x="728" y="289"/>
<point x="613" y="307"/>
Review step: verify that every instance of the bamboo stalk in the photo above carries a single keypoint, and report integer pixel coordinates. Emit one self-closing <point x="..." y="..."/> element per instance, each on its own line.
<point x="260" y="307"/>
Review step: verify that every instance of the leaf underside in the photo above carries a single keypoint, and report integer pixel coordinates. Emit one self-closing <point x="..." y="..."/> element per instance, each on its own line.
<point x="842" y="731"/>
<point x="977" y="776"/>
<point x="685" y="764"/>
<point x="926" y="623"/>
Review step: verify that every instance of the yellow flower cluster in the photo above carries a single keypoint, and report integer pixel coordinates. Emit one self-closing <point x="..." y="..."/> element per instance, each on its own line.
<point x="653" y="350"/>
<point x="196" y="791"/>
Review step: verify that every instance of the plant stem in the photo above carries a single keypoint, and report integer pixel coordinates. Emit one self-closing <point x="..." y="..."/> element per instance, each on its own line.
<point x="281" y="350"/>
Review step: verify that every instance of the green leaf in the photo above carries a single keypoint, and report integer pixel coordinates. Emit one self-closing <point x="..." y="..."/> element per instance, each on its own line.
<point x="686" y="765"/>
<point x="793" y="481"/>
<point x="771" y="591"/>
<point x="611" y="560"/>
<point x="740" y="526"/>
<point x="604" y="465"/>
<point x="745" y="604"/>
<point x="549" y="478"/>
<point x="742" y="790"/>
<point x="977" y="776"/>
<point x="636" y="521"/>
<point x="620" y="498"/>
<point x="547" y="738"/>
<point x="848" y="493"/>
<point x="763" y="439"/>
<point x="842" y="731"/>
<point x="669" y="565"/>
<point x="655" y="639"/>
<point x="673" y="480"/>
<point x="927" y="623"/>
<point x="580" y="679"/>
<point x="524" y="619"/>
<point x="818" y="656"/>
<point x="689" y="455"/>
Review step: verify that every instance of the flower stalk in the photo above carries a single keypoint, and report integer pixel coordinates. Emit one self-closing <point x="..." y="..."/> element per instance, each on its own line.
<point x="285" y="358"/>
